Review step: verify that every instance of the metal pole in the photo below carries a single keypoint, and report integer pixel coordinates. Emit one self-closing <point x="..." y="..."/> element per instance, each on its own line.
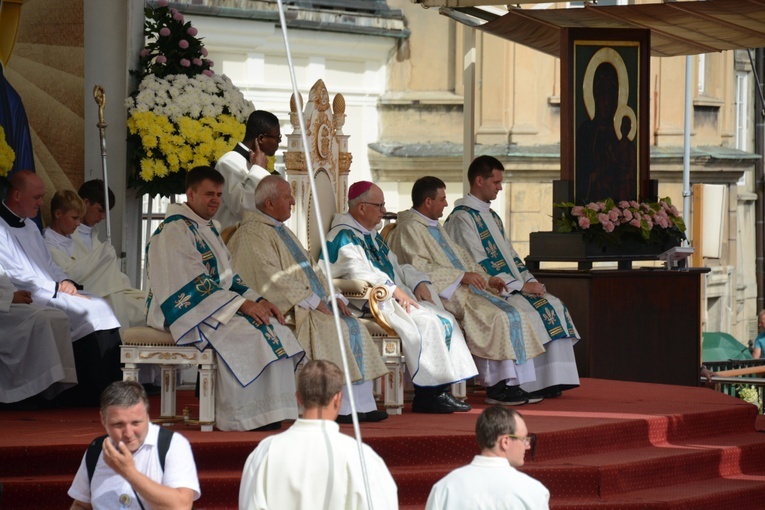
<point x="687" y="144"/>
<point x="100" y="96"/>
<point x="468" y="120"/>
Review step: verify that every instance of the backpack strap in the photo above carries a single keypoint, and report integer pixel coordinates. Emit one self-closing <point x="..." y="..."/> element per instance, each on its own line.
<point x="94" y="450"/>
<point x="163" y="444"/>
<point x="92" y="454"/>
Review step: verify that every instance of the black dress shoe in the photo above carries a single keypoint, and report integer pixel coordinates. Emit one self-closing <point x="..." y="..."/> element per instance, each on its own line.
<point x="458" y="405"/>
<point x="436" y="404"/>
<point x="375" y="416"/>
<point x="271" y="426"/>
<point x="551" y="392"/>
<point x="348" y="418"/>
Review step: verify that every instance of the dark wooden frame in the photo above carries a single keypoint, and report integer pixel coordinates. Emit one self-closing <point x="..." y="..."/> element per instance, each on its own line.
<point x="580" y="43"/>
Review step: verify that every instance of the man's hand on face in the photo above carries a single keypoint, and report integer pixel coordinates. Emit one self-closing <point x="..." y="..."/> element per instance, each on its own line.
<point x="257" y="156"/>
<point x="119" y="459"/>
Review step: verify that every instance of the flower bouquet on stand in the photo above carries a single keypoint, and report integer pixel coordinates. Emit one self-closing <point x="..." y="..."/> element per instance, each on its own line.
<point x="182" y="115"/>
<point x="615" y="223"/>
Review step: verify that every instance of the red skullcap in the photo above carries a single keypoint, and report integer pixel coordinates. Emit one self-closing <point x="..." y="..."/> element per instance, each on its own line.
<point x="358" y="188"/>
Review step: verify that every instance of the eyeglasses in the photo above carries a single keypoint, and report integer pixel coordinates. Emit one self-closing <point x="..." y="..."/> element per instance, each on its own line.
<point x="277" y="138"/>
<point x="527" y="440"/>
<point x="381" y="205"/>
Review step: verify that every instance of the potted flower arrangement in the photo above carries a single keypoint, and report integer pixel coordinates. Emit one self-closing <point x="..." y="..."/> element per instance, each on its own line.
<point x="182" y="115"/>
<point x="616" y="223"/>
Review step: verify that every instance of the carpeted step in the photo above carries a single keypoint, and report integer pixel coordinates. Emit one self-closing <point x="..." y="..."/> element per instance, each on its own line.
<point x="745" y="492"/>
<point x="604" y="474"/>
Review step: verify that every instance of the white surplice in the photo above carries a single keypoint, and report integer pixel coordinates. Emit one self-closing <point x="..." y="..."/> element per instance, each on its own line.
<point x="488" y="483"/>
<point x="29" y="266"/>
<point x="312" y="466"/>
<point x="35" y="348"/>
<point x="255" y="381"/>
<point x="97" y="270"/>
<point x="433" y="343"/>
<point x="557" y="366"/>
<point x="242" y="177"/>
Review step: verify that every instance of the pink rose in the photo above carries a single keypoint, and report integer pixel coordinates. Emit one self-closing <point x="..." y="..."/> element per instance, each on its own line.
<point x="584" y="222"/>
<point x="197" y="62"/>
<point x="183" y="43"/>
<point x="577" y="210"/>
<point x="635" y="223"/>
<point x="674" y="210"/>
<point x="624" y="204"/>
<point x="210" y="63"/>
<point x="614" y="214"/>
<point x="608" y="226"/>
<point x="603" y="218"/>
<point x="185" y="62"/>
<point x="161" y="59"/>
<point x="637" y="215"/>
<point x="164" y="31"/>
<point x="177" y="16"/>
<point x="592" y="206"/>
<point x="207" y="72"/>
<point x="161" y="3"/>
<point x="634" y="204"/>
<point x="145" y="52"/>
<point x="627" y="214"/>
<point x="204" y="51"/>
<point x="192" y="31"/>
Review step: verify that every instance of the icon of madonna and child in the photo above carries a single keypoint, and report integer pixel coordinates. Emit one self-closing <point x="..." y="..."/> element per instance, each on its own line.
<point x="606" y="140"/>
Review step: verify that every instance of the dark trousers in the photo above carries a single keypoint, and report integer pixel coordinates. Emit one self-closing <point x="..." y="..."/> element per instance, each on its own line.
<point x="97" y="359"/>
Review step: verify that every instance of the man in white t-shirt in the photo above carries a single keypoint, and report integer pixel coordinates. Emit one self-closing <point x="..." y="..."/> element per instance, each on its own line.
<point x="134" y="469"/>
<point x="492" y="480"/>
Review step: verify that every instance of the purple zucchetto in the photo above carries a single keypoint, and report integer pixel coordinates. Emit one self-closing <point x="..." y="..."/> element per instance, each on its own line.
<point x="358" y="188"/>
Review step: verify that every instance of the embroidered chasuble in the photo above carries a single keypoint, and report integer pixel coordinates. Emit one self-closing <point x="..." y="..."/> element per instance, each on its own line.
<point x="434" y="346"/>
<point x="476" y="227"/>
<point x="270" y="260"/>
<point x="494" y="329"/>
<point x="195" y="294"/>
<point x="97" y="270"/>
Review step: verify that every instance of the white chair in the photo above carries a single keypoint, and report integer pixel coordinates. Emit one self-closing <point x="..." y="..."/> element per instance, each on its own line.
<point x="145" y="345"/>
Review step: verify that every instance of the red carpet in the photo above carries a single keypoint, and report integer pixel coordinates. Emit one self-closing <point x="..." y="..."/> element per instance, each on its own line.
<point x="605" y="445"/>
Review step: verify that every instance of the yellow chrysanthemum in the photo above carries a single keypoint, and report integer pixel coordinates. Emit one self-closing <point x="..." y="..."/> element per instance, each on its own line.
<point x="7" y="155"/>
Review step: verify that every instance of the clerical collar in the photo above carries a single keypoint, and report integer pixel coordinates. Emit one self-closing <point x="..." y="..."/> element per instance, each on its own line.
<point x="10" y="217"/>
<point x="476" y="203"/>
<point x="190" y="214"/>
<point x="362" y="228"/>
<point x="432" y="223"/>
<point x="273" y="221"/>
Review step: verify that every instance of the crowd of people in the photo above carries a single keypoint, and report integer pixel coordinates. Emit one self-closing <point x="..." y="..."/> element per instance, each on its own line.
<point x="462" y="302"/>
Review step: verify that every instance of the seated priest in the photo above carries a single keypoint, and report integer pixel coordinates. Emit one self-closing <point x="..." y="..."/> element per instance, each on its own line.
<point x="36" y="359"/>
<point x="498" y="335"/>
<point x="195" y="293"/>
<point x="271" y="260"/>
<point x="479" y="230"/>
<point x="434" y="348"/>
<point x="28" y="264"/>
<point x="88" y="261"/>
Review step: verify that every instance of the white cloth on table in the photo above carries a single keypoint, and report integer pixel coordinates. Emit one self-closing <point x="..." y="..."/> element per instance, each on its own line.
<point x="434" y="346"/>
<point x="196" y="297"/>
<point x="313" y="466"/>
<point x="488" y="483"/>
<point x="35" y="348"/>
<point x="104" y="491"/>
<point x="242" y="177"/>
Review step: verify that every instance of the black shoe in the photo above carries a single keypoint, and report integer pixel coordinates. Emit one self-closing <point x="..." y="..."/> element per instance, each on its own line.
<point x="348" y="418"/>
<point x="535" y="397"/>
<point x="375" y="416"/>
<point x="551" y="392"/>
<point x="271" y="426"/>
<point x="507" y="395"/>
<point x="458" y="405"/>
<point x="436" y="404"/>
